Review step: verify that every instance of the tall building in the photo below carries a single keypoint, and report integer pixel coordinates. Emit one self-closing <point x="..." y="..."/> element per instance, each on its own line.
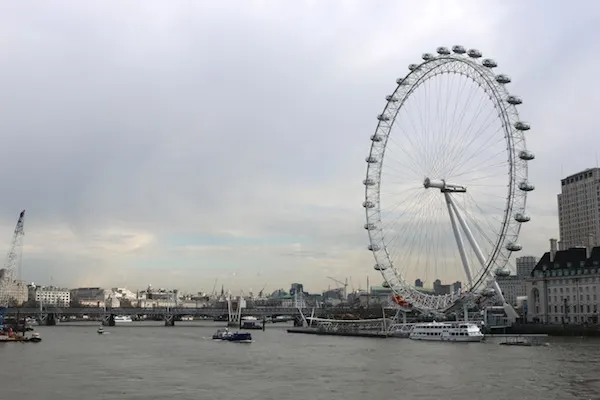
<point x="525" y="265"/>
<point x="579" y="210"/>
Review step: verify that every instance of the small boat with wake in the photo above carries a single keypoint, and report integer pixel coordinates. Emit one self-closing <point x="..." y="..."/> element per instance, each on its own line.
<point x="101" y="331"/>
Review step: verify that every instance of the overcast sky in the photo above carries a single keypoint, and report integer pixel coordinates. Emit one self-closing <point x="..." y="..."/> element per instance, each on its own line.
<point x="180" y="142"/>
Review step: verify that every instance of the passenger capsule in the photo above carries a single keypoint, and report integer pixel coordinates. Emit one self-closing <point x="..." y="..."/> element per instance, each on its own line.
<point x="474" y="53"/>
<point x="526" y="186"/>
<point x="401" y="81"/>
<point x="391" y="98"/>
<point x="376" y="138"/>
<point x="369" y="182"/>
<point x="489" y="63"/>
<point x="369" y="226"/>
<point x="374" y="247"/>
<point x="379" y="267"/>
<point x="368" y="204"/>
<point x="526" y="155"/>
<point x="513" y="247"/>
<point x="502" y="272"/>
<point x="458" y="49"/>
<point x="514" y="100"/>
<point x="502" y="79"/>
<point x="412" y="67"/>
<point x="443" y="51"/>
<point x="520" y="217"/>
<point x="385" y="285"/>
<point x="383" y="117"/>
<point x="522" y="126"/>
<point x="371" y="160"/>
<point x="427" y="56"/>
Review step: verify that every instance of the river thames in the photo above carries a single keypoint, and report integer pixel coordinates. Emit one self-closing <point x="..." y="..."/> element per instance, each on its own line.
<point x="150" y="361"/>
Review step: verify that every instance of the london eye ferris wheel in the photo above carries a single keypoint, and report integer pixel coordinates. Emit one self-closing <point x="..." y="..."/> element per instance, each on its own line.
<point x="446" y="182"/>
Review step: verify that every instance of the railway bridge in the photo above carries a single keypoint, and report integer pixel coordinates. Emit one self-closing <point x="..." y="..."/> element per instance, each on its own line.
<point x="50" y="315"/>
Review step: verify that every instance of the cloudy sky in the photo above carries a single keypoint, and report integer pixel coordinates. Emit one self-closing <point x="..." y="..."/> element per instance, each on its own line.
<point x="175" y="143"/>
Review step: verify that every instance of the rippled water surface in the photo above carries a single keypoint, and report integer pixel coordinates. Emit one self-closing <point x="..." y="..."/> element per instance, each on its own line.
<point x="149" y="361"/>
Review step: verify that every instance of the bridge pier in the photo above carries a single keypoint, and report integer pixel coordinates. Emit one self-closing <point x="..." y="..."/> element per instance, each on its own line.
<point x="108" y="320"/>
<point x="48" y="319"/>
<point x="169" y="320"/>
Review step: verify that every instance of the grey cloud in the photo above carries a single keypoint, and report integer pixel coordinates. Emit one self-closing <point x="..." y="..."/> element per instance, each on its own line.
<point x="201" y="117"/>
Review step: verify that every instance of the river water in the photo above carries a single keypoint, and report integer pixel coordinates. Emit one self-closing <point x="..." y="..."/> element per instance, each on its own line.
<point x="149" y="361"/>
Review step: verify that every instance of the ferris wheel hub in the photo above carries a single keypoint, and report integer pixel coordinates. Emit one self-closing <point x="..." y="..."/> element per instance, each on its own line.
<point x="444" y="186"/>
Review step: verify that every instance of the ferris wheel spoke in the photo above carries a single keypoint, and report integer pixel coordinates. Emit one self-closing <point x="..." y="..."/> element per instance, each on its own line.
<point x="452" y="121"/>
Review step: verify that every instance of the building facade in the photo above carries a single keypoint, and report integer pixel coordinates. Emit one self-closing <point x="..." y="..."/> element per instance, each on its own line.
<point x="564" y="287"/>
<point x="579" y="210"/>
<point x="512" y="286"/>
<point x="50" y="295"/>
<point x="525" y="265"/>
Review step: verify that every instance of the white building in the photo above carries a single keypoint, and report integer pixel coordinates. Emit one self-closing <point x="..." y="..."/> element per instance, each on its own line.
<point x="565" y="287"/>
<point x="13" y="293"/>
<point x="512" y="286"/>
<point x="50" y="295"/>
<point x="579" y="210"/>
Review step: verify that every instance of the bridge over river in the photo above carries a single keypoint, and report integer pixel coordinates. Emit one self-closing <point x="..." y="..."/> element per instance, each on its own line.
<point x="49" y="315"/>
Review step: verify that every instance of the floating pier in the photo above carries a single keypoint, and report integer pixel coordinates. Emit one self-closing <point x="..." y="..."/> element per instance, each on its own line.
<point x="316" y="331"/>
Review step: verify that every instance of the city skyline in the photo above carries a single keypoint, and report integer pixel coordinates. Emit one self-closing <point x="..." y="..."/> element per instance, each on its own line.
<point x="135" y="169"/>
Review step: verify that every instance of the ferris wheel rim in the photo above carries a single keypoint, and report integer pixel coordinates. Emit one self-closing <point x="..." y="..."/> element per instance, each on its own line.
<point x="507" y="113"/>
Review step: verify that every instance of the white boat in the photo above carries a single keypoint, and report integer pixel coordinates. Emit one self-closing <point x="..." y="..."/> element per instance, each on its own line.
<point x="123" y="318"/>
<point x="447" y="332"/>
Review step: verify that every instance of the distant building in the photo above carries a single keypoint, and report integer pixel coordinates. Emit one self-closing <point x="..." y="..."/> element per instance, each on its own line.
<point x="512" y="286"/>
<point x="49" y="295"/>
<point x="14" y="293"/>
<point x="89" y="296"/>
<point x="439" y="288"/>
<point x="525" y="265"/>
<point x="579" y="210"/>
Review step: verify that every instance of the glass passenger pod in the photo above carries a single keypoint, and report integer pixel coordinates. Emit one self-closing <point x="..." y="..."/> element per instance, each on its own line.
<point x="371" y="160"/>
<point x="489" y="63"/>
<point x="369" y="182"/>
<point x="502" y="271"/>
<point x="386" y="285"/>
<point x="368" y="204"/>
<point x="526" y="186"/>
<point x="514" y="100"/>
<point x="513" y="247"/>
<point x="370" y="226"/>
<point x="391" y="98"/>
<point x="442" y="51"/>
<point x="488" y="292"/>
<point x="379" y="267"/>
<point x="503" y="79"/>
<point x="522" y="126"/>
<point x="520" y="217"/>
<point x="412" y="67"/>
<point x="458" y="49"/>
<point x="374" y="247"/>
<point x="474" y="53"/>
<point x="526" y="155"/>
<point x="402" y="81"/>
<point x="376" y="138"/>
<point x="427" y="56"/>
<point x="383" y="117"/>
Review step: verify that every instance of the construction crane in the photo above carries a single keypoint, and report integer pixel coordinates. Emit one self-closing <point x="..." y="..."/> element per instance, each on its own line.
<point x="342" y="284"/>
<point x="12" y="266"/>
